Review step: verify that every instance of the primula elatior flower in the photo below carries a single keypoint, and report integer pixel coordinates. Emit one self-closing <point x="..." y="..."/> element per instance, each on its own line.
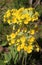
<point x="12" y="41"/>
<point x="29" y="49"/>
<point x="32" y="32"/>
<point x="9" y="21"/>
<point x="30" y="8"/>
<point x="34" y="19"/>
<point x="18" y="48"/>
<point x="36" y="14"/>
<point x="8" y="14"/>
<point x="27" y="20"/>
<point x="21" y="10"/>
<point x="31" y="39"/>
<point x="8" y="37"/>
<point x="18" y="40"/>
<point x="22" y="15"/>
<point x="25" y="48"/>
<point x="4" y="18"/>
<point x="23" y="34"/>
<point x="12" y="35"/>
<point x="23" y="39"/>
<point x="13" y="11"/>
<point x="22" y="45"/>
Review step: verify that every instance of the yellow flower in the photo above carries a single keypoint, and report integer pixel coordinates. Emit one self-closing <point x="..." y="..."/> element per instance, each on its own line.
<point x="32" y="32"/>
<point x="25" y="48"/>
<point x="12" y="41"/>
<point x="14" y="20"/>
<point x="8" y="37"/>
<point x="9" y="21"/>
<point x="29" y="49"/>
<point x="21" y="10"/>
<point x="22" y="16"/>
<point x="27" y="19"/>
<point x="30" y="8"/>
<point x="36" y="14"/>
<point x="26" y="22"/>
<point x="33" y="19"/>
<point x="23" y="39"/>
<point x="8" y="14"/>
<point x="18" y="48"/>
<point x="36" y="18"/>
<point x="17" y="16"/>
<point x="31" y="39"/>
<point x="18" y="40"/>
<point x="22" y="45"/>
<point x="4" y="18"/>
<point x="13" y="35"/>
<point x="13" y="11"/>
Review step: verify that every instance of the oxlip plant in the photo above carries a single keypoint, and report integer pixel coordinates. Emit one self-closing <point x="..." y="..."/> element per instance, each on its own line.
<point x="22" y="40"/>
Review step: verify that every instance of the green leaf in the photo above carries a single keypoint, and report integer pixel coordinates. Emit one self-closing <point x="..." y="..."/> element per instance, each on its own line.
<point x="20" y="55"/>
<point x="13" y="51"/>
<point x="16" y="59"/>
<point x="2" y="63"/>
<point x="3" y="43"/>
<point x="7" y="57"/>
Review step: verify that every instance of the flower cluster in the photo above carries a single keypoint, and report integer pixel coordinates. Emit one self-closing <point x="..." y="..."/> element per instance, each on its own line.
<point x="22" y="15"/>
<point x="24" y="29"/>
